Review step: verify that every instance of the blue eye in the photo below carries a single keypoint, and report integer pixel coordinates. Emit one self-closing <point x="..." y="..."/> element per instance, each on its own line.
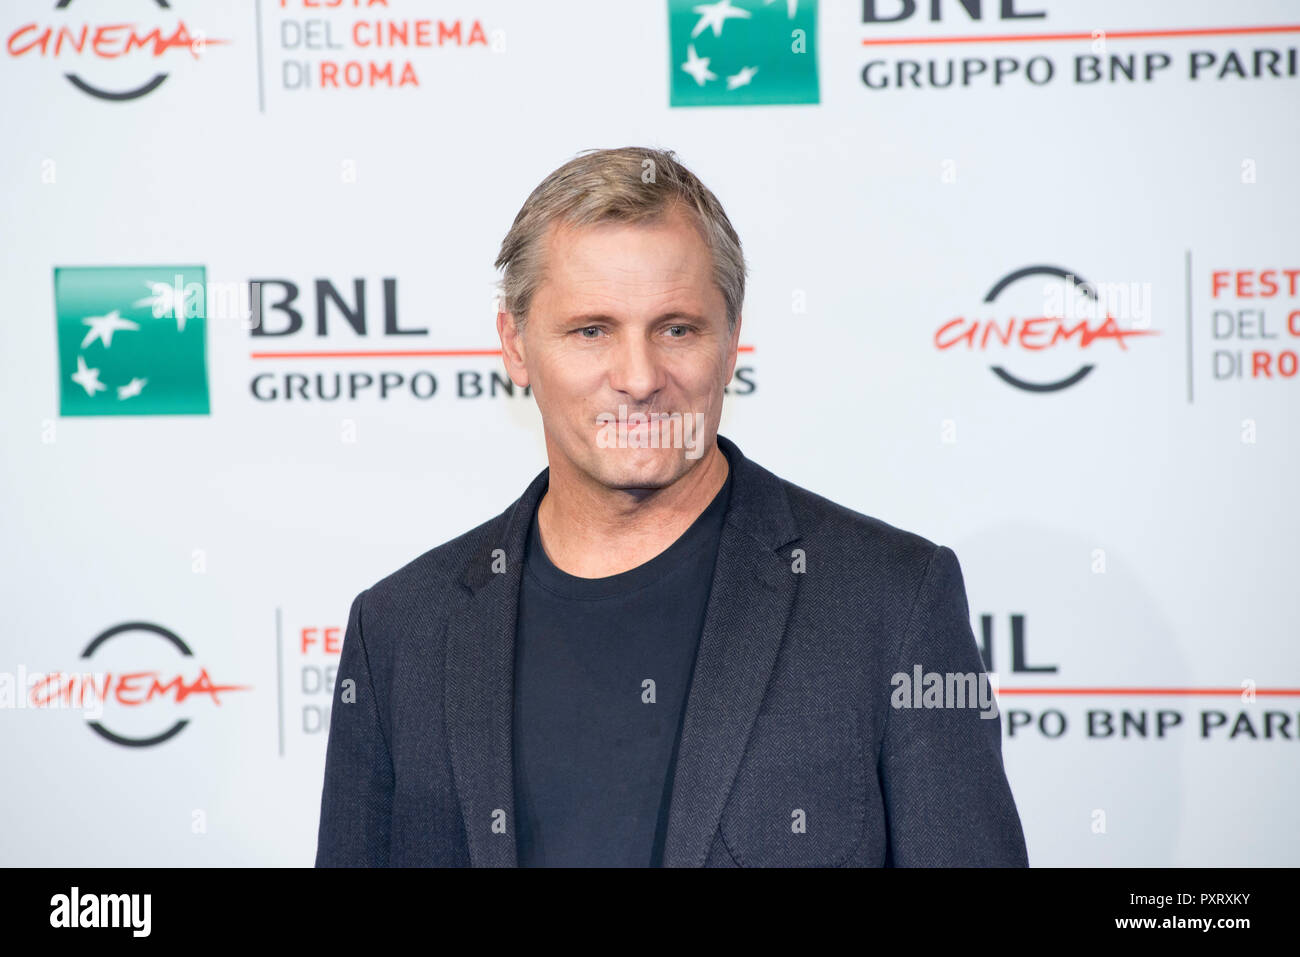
<point x="684" y="330"/>
<point x="586" y="329"/>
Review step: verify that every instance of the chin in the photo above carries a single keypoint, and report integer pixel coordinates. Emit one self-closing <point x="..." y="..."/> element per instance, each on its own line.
<point x="639" y="468"/>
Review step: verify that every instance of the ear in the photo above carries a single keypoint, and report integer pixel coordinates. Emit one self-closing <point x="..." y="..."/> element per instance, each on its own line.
<point x="732" y="350"/>
<point x="512" y="348"/>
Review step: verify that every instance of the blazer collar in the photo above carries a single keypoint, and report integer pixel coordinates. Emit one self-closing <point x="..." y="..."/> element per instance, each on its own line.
<point x="749" y="604"/>
<point x="759" y="507"/>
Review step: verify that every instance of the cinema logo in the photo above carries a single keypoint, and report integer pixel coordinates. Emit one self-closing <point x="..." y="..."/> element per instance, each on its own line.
<point x="119" y="56"/>
<point x="137" y="697"/>
<point x="1044" y="318"/>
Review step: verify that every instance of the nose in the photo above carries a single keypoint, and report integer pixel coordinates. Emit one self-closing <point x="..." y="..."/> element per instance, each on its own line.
<point x="636" y="371"/>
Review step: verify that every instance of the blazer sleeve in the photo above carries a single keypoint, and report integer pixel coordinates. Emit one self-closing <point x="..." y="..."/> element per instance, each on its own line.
<point x="947" y="800"/>
<point x="357" y="799"/>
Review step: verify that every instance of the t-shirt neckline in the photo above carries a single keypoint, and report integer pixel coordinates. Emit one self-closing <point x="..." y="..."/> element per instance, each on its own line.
<point x="539" y="567"/>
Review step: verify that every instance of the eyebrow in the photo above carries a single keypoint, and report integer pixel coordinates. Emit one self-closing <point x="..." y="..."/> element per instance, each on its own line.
<point x="594" y="317"/>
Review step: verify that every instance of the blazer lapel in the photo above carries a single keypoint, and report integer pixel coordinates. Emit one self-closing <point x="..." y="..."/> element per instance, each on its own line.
<point x="478" y="685"/>
<point x="749" y="605"/>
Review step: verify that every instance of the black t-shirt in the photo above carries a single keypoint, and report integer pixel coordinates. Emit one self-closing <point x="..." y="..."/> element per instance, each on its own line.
<point x="602" y="669"/>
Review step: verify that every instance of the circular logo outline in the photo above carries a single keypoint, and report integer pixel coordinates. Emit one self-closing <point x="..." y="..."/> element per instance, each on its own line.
<point x="1080" y="283"/>
<point x="164" y="633"/>
<point x="95" y="91"/>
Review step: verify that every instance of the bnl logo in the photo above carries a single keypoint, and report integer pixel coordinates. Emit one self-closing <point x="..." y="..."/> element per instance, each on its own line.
<point x="1019" y="650"/>
<point x="131" y="340"/>
<point x="750" y="53"/>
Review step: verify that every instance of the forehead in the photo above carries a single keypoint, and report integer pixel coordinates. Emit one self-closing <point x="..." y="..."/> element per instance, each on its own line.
<point x="666" y="256"/>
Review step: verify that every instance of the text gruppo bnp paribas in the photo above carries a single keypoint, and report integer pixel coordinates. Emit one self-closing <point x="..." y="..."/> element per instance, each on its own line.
<point x="1043" y="43"/>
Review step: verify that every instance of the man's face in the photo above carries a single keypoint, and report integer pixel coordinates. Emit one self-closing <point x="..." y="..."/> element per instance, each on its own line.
<point x="625" y="315"/>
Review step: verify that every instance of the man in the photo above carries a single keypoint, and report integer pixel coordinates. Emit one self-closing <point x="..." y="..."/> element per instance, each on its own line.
<point x="662" y="654"/>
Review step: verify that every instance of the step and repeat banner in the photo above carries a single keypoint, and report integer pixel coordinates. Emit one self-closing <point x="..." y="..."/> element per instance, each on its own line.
<point x="1025" y="280"/>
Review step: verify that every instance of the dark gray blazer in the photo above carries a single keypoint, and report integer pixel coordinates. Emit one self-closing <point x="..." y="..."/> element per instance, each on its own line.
<point x="790" y="752"/>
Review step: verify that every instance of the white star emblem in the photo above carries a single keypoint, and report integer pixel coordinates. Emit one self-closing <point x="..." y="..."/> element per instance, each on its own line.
<point x="164" y="303"/>
<point x="742" y="78"/>
<point x="791" y="7"/>
<point x="698" y="66"/>
<point x="103" y="327"/>
<point x="715" y="15"/>
<point x="131" y="388"/>
<point x="88" y="379"/>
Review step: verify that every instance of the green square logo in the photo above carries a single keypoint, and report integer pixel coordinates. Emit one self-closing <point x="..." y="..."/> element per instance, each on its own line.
<point x="132" y="340"/>
<point x="748" y="53"/>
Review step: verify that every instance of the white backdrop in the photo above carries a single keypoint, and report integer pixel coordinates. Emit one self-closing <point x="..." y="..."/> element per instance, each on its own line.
<point x="1137" y="528"/>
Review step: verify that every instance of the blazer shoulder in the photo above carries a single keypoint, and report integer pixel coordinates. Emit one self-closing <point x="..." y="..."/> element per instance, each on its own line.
<point x="865" y="537"/>
<point x="436" y="574"/>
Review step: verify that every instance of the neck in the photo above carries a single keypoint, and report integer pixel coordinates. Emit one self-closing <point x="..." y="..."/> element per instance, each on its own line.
<point x="592" y="531"/>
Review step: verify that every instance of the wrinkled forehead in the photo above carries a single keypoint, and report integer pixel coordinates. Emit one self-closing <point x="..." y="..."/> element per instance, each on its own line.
<point x="648" y="260"/>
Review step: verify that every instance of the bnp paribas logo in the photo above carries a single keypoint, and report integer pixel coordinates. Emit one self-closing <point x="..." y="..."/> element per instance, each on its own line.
<point x="748" y="53"/>
<point x="132" y="340"/>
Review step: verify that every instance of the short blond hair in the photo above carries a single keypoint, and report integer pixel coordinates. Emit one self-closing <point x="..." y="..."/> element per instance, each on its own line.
<point x="627" y="185"/>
